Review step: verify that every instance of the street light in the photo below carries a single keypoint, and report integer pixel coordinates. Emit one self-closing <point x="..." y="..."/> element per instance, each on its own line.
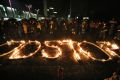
<point x="55" y="12"/>
<point x="48" y="10"/>
<point x="51" y="8"/>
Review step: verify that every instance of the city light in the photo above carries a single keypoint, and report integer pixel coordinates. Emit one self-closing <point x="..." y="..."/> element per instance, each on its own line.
<point x="48" y="10"/>
<point x="1" y="5"/>
<point x="85" y="18"/>
<point x="51" y="8"/>
<point x="9" y="8"/>
<point x="55" y="12"/>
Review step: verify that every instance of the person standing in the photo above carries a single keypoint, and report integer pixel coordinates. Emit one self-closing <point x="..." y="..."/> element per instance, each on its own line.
<point x="60" y="73"/>
<point x="112" y="28"/>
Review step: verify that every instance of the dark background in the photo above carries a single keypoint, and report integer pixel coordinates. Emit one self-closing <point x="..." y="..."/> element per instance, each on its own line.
<point x="106" y="8"/>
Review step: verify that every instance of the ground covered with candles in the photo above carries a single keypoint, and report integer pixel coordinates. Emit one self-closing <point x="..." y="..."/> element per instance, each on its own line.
<point x="59" y="60"/>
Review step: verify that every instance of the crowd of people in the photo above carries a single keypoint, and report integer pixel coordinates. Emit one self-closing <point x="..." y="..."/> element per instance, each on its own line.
<point x="59" y="28"/>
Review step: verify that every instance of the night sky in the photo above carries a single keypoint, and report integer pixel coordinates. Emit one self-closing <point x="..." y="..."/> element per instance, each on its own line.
<point x="79" y="7"/>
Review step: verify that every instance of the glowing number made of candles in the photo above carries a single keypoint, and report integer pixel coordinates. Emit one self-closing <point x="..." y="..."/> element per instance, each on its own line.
<point x="21" y="43"/>
<point x="17" y="52"/>
<point x="76" y="55"/>
<point x="53" y="51"/>
<point x="109" y="48"/>
<point x="109" y="56"/>
<point x="47" y="54"/>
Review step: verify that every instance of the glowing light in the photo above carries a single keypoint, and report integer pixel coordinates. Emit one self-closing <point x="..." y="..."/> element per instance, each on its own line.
<point x="44" y="54"/>
<point x="58" y="52"/>
<point x="51" y="8"/>
<point x="114" y="46"/>
<point x="9" y="43"/>
<point x="17" y="52"/>
<point x="55" y="49"/>
<point x="55" y="12"/>
<point x="111" y="53"/>
<point x="93" y="58"/>
<point x="85" y="54"/>
<point x="109" y="48"/>
<point x="76" y="55"/>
